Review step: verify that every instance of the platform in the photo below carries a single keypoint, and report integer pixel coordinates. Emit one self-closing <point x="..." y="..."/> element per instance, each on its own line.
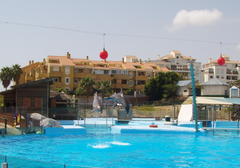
<point x="161" y="129"/>
<point x="65" y="129"/>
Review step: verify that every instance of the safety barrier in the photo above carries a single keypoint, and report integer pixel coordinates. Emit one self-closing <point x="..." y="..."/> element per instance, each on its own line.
<point x="14" y="162"/>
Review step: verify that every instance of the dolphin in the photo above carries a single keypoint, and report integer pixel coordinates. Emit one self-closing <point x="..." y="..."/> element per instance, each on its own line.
<point x="121" y="100"/>
<point x="97" y="103"/>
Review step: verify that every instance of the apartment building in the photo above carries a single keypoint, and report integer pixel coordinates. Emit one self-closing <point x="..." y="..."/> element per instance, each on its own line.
<point x="67" y="72"/>
<point x="228" y="73"/>
<point x="179" y="63"/>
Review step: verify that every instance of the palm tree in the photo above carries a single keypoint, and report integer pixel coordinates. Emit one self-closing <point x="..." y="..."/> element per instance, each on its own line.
<point x="17" y="71"/>
<point x="105" y="87"/>
<point x="85" y="87"/>
<point x="6" y="76"/>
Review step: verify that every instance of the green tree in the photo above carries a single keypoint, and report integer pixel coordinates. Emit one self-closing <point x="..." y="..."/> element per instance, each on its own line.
<point x="6" y="75"/>
<point x="1" y="100"/>
<point x="164" y="85"/>
<point x="60" y="89"/>
<point x="105" y="87"/>
<point x="16" y="72"/>
<point x="129" y="91"/>
<point x="85" y="87"/>
<point x="235" y="83"/>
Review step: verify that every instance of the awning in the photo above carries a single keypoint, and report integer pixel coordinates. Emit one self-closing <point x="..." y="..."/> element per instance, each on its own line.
<point x="214" y="100"/>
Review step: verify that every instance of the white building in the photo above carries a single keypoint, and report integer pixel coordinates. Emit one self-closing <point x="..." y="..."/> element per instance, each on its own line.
<point x="227" y="73"/>
<point x="184" y="88"/>
<point x="179" y="63"/>
<point x="215" y="87"/>
<point x="130" y="58"/>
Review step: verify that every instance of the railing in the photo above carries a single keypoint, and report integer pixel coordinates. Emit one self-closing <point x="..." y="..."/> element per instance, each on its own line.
<point x="11" y="161"/>
<point x="3" y="125"/>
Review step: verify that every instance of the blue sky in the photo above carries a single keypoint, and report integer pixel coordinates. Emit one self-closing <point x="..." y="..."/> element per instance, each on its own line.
<point x="144" y="28"/>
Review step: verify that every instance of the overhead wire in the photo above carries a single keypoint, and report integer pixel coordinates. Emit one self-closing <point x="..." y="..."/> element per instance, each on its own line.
<point x="114" y="34"/>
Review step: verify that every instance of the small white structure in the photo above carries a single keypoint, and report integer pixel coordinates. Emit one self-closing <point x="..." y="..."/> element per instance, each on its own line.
<point x="130" y="58"/>
<point x="183" y="88"/>
<point x="233" y="92"/>
<point x="214" y="87"/>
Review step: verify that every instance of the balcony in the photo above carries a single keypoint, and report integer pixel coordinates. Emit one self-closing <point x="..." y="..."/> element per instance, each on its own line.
<point x="119" y="85"/>
<point x="41" y="75"/>
<point x="104" y="77"/>
<point x="55" y="74"/>
<point x="120" y="76"/>
<point x="230" y="72"/>
<point x="142" y="77"/>
<point x="84" y="75"/>
<point x="139" y="87"/>
<point x="58" y="84"/>
<point x="28" y="78"/>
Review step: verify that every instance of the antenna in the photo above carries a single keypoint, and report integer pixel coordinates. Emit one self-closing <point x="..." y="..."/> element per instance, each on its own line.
<point x="220" y="49"/>
<point x="103" y="41"/>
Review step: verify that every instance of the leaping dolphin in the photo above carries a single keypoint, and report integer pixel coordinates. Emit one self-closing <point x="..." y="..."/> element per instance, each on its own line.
<point x="121" y="100"/>
<point x="97" y="103"/>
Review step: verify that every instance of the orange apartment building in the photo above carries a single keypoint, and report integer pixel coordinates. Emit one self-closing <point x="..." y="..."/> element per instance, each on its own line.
<point x="67" y="72"/>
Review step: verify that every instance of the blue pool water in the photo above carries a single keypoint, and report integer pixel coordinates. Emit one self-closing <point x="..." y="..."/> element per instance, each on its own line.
<point x="100" y="148"/>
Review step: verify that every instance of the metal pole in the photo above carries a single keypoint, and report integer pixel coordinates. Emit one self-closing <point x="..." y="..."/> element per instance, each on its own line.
<point x="42" y="105"/>
<point x="194" y="96"/>
<point x="84" y="113"/>
<point x="5" y="123"/>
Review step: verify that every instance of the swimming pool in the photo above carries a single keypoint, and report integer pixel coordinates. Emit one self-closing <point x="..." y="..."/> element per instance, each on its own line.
<point x="101" y="148"/>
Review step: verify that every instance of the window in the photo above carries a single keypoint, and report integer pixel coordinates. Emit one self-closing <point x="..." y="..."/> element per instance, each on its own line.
<point x="114" y="81"/>
<point x="67" y="70"/>
<point x="76" y="81"/>
<point x="124" y="72"/>
<point x="86" y="71"/>
<point x="222" y="71"/>
<point x="149" y="74"/>
<point x="131" y="83"/>
<point x="98" y="71"/>
<point x="105" y="72"/>
<point x="185" y="91"/>
<point x="131" y="74"/>
<point x="217" y="76"/>
<point x="124" y="81"/>
<point x="76" y="70"/>
<point x="26" y="102"/>
<point x="56" y="69"/>
<point x="67" y="80"/>
<point x="37" y="102"/>
<point x="55" y="79"/>
<point x="211" y="77"/>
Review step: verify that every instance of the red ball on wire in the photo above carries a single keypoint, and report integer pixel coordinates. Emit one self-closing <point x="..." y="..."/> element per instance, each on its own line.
<point x="103" y="54"/>
<point x="221" y="61"/>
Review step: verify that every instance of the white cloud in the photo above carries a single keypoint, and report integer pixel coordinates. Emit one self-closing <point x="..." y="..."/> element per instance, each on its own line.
<point x="195" y="18"/>
<point x="238" y="46"/>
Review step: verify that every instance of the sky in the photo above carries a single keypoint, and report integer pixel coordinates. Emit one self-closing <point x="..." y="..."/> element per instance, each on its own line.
<point x="32" y="30"/>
